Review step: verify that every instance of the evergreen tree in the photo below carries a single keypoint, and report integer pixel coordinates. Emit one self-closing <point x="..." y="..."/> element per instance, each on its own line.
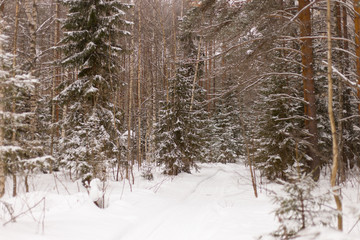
<point x="302" y="205"/>
<point x="182" y="130"/>
<point x="20" y="150"/>
<point x="280" y="121"/>
<point x="179" y="132"/>
<point x="227" y="136"/>
<point x="93" y="31"/>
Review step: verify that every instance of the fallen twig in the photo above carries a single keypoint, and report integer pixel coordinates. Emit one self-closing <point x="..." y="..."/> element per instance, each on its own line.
<point x="9" y="209"/>
<point x="13" y="218"/>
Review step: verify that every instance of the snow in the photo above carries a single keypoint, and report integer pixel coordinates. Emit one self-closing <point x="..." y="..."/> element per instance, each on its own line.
<point x="215" y="203"/>
<point x="95" y="192"/>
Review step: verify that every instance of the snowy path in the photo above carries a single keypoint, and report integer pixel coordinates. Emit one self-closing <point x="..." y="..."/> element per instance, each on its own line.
<point x="216" y="203"/>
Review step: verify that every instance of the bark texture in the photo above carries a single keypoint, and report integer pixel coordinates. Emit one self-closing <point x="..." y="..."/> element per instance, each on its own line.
<point x="2" y="108"/>
<point x="309" y="84"/>
<point x="357" y="44"/>
<point x="335" y="148"/>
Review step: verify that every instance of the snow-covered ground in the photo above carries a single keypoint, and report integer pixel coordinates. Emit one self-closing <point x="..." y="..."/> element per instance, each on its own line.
<point x="216" y="203"/>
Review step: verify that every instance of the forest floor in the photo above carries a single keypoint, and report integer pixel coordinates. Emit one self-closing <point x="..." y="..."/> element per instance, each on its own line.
<point x="215" y="203"/>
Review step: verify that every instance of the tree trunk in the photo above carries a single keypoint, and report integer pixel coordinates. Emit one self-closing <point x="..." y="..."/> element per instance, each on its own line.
<point x="347" y="125"/>
<point x="335" y="148"/>
<point x="14" y="184"/>
<point x="55" y="79"/>
<point x="173" y="65"/>
<point x="309" y="85"/>
<point x="139" y="87"/>
<point x="357" y="45"/>
<point x="247" y="144"/>
<point x="31" y="13"/>
<point x="13" y="105"/>
<point x="131" y="80"/>
<point x="2" y="109"/>
<point x="213" y="78"/>
<point x="341" y="93"/>
<point x="195" y="75"/>
<point x="26" y="183"/>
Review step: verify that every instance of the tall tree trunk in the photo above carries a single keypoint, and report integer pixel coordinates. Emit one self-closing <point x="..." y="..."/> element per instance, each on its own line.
<point x="250" y="162"/>
<point x="309" y="85"/>
<point x="335" y="148"/>
<point x="165" y="74"/>
<point x="31" y="13"/>
<point x="213" y="78"/>
<point x="55" y="80"/>
<point x="339" y="34"/>
<point x="174" y="28"/>
<point x="2" y="109"/>
<point x="13" y="107"/>
<point x="347" y="125"/>
<point x="210" y="74"/>
<point x="357" y="46"/>
<point x="139" y="86"/>
<point x="131" y="80"/>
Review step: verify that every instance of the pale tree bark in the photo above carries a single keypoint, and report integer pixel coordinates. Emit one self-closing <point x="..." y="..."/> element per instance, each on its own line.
<point x="309" y="85"/>
<point x="2" y="109"/>
<point x="335" y="148"/>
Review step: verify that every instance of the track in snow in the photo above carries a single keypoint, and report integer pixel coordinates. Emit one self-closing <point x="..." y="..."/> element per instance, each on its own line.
<point x="208" y="205"/>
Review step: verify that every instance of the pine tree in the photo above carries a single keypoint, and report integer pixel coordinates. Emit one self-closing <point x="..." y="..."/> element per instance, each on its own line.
<point x="93" y="31"/>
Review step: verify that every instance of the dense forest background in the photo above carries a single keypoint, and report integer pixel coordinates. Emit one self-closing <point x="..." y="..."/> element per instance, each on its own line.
<point x="100" y="87"/>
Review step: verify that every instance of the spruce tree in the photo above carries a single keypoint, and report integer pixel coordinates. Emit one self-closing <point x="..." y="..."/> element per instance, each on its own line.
<point x="20" y="149"/>
<point x="300" y="205"/>
<point x="279" y="136"/>
<point x="227" y="140"/>
<point x="93" y="31"/>
<point x="182" y="130"/>
<point x="280" y="119"/>
<point x="179" y="132"/>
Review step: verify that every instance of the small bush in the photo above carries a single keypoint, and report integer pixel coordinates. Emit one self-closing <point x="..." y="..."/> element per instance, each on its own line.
<point x="301" y="204"/>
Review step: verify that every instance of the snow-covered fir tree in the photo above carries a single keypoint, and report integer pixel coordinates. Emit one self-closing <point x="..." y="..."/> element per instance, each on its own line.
<point x="280" y="126"/>
<point x="180" y="138"/>
<point x="93" y="31"/>
<point x="227" y="140"/>
<point x="20" y="150"/>
<point x="301" y="204"/>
